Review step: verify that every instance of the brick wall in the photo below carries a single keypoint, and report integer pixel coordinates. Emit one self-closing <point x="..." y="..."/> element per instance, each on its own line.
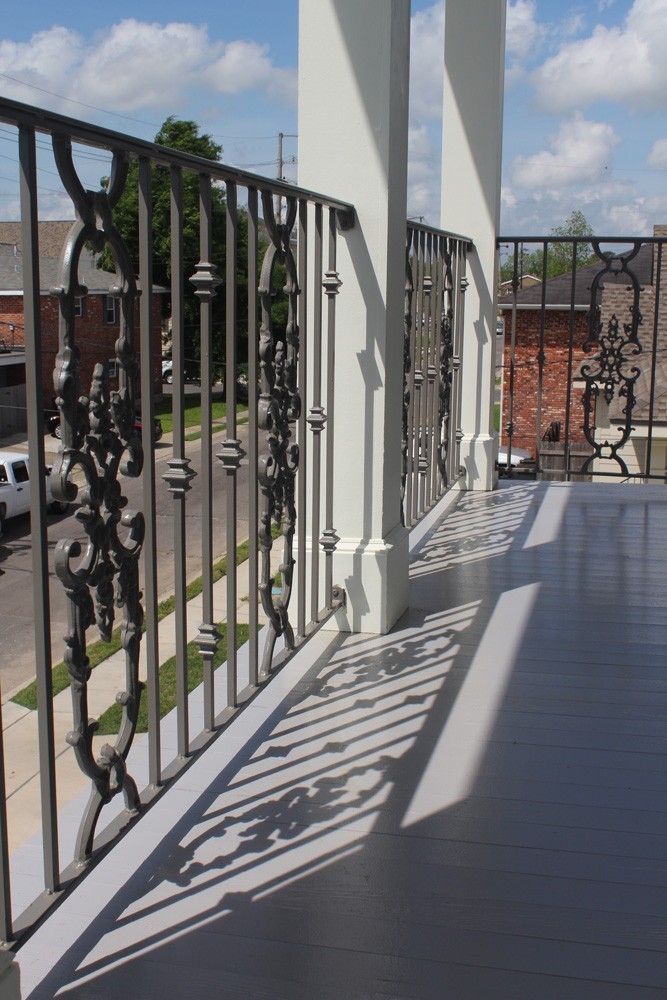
<point x="95" y="338"/>
<point x="555" y="375"/>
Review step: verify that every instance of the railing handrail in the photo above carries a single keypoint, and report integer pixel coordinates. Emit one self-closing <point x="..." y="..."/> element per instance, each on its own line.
<point x="582" y="239"/>
<point x="435" y="231"/>
<point x="48" y="122"/>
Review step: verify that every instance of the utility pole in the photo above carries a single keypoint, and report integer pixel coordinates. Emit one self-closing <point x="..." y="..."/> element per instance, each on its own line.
<point x="281" y="164"/>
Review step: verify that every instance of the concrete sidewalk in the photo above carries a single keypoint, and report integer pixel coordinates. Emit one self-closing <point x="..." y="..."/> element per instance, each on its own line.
<point x="20" y="725"/>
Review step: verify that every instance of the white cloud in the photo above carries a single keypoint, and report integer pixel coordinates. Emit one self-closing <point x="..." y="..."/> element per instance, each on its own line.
<point x="657" y="158"/>
<point x="626" y="64"/>
<point x="47" y="62"/>
<point x="427" y="47"/>
<point x="580" y="152"/>
<point x="423" y="174"/>
<point x="134" y="64"/>
<point x="522" y="33"/>
<point x="628" y="219"/>
<point x="247" y="66"/>
<point x="611" y="207"/>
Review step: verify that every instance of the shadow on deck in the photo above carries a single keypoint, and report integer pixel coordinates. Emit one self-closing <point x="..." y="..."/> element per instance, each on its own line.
<point x="472" y="806"/>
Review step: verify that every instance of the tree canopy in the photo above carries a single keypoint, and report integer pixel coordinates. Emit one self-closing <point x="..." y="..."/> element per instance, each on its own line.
<point x="185" y="136"/>
<point x="560" y="256"/>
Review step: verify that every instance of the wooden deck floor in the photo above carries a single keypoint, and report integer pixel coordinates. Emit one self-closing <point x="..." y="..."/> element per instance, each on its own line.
<point x="471" y="808"/>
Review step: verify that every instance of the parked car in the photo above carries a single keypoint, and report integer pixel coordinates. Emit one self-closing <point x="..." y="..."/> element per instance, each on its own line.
<point x="167" y="371"/>
<point x="15" y="487"/>
<point x="53" y="424"/>
<point x="523" y="463"/>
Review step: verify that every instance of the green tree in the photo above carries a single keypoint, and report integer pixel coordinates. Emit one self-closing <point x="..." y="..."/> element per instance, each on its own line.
<point x="185" y="136"/>
<point x="559" y="255"/>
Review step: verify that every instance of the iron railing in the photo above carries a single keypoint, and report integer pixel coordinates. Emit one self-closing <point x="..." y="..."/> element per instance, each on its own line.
<point x="108" y="565"/>
<point x="435" y="283"/>
<point x="583" y="363"/>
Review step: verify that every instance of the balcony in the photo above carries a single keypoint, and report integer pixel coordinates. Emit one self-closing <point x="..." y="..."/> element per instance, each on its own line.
<point x="433" y="769"/>
<point x="469" y="804"/>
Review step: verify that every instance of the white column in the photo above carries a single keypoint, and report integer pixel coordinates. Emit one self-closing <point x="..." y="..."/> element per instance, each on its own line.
<point x="353" y="131"/>
<point x="470" y="204"/>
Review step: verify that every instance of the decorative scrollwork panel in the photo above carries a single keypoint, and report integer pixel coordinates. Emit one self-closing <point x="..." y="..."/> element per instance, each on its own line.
<point x="99" y="446"/>
<point x="611" y="374"/>
<point x="279" y="409"/>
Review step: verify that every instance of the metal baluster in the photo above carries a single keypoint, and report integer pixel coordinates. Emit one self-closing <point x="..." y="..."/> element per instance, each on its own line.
<point x="179" y="475"/>
<point x="5" y="883"/>
<point x="429" y="376"/>
<point x="510" y="413"/>
<point x="148" y="440"/>
<point x="458" y="360"/>
<point x="570" y="366"/>
<point x="407" y="368"/>
<point x="541" y="360"/>
<point x="230" y="454"/>
<point x="40" y="568"/>
<point x="413" y="444"/>
<point x="206" y="280"/>
<point x="331" y="285"/>
<point x="303" y="416"/>
<point x="253" y="450"/>
<point x="654" y="359"/>
<point x="316" y="420"/>
<point x="436" y="347"/>
<point x="420" y="374"/>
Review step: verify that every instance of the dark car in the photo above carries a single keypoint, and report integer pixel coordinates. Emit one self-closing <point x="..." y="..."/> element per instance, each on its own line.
<point x="53" y="424"/>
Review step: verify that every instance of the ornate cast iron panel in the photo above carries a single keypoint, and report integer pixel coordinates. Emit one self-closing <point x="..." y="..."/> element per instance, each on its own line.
<point x="611" y="373"/>
<point x="407" y="367"/>
<point x="100" y="445"/>
<point x="446" y="362"/>
<point x="279" y="409"/>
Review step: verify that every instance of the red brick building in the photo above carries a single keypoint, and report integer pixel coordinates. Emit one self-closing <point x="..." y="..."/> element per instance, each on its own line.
<point x="97" y="327"/>
<point x="552" y="323"/>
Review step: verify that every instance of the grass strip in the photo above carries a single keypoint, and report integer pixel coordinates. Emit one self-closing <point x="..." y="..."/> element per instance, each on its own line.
<point x="97" y="653"/>
<point x="100" y="650"/>
<point x="191" y="411"/>
<point x="196" y="435"/>
<point x="110" y="721"/>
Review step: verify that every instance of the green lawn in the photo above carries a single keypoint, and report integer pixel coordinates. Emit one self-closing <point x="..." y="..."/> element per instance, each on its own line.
<point x="192" y="411"/>
<point x="109" y="722"/>
<point x="99" y="651"/>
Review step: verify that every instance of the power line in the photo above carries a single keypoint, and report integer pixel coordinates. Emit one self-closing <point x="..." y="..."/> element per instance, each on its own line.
<point x="71" y="100"/>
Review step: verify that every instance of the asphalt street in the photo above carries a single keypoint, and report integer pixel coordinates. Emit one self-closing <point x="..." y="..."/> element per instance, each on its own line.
<point x="16" y="600"/>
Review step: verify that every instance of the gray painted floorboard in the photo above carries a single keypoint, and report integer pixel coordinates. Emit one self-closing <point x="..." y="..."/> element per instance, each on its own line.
<point x="470" y="807"/>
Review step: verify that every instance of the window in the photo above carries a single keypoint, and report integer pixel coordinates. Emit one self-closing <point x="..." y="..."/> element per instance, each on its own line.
<point x="79" y="306"/>
<point x="109" y="309"/>
<point x="111" y="368"/>
<point x="20" y="472"/>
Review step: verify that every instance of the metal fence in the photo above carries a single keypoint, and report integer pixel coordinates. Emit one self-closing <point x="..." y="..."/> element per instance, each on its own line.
<point x="108" y="567"/>
<point x="584" y="357"/>
<point x="435" y="283"/>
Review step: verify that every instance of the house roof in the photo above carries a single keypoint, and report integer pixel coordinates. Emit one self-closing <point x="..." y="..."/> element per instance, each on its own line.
<point x="11" y="273"/>
<point x="558" y="290"/>
<point x="51" y="235"/>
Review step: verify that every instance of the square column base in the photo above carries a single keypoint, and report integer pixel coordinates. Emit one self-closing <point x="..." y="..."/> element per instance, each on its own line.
<point x="478" y="455"/>
<point x="374" y="573"/>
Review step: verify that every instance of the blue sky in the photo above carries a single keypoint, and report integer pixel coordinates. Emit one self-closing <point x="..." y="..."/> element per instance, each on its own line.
<point x="585" y="106"/>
